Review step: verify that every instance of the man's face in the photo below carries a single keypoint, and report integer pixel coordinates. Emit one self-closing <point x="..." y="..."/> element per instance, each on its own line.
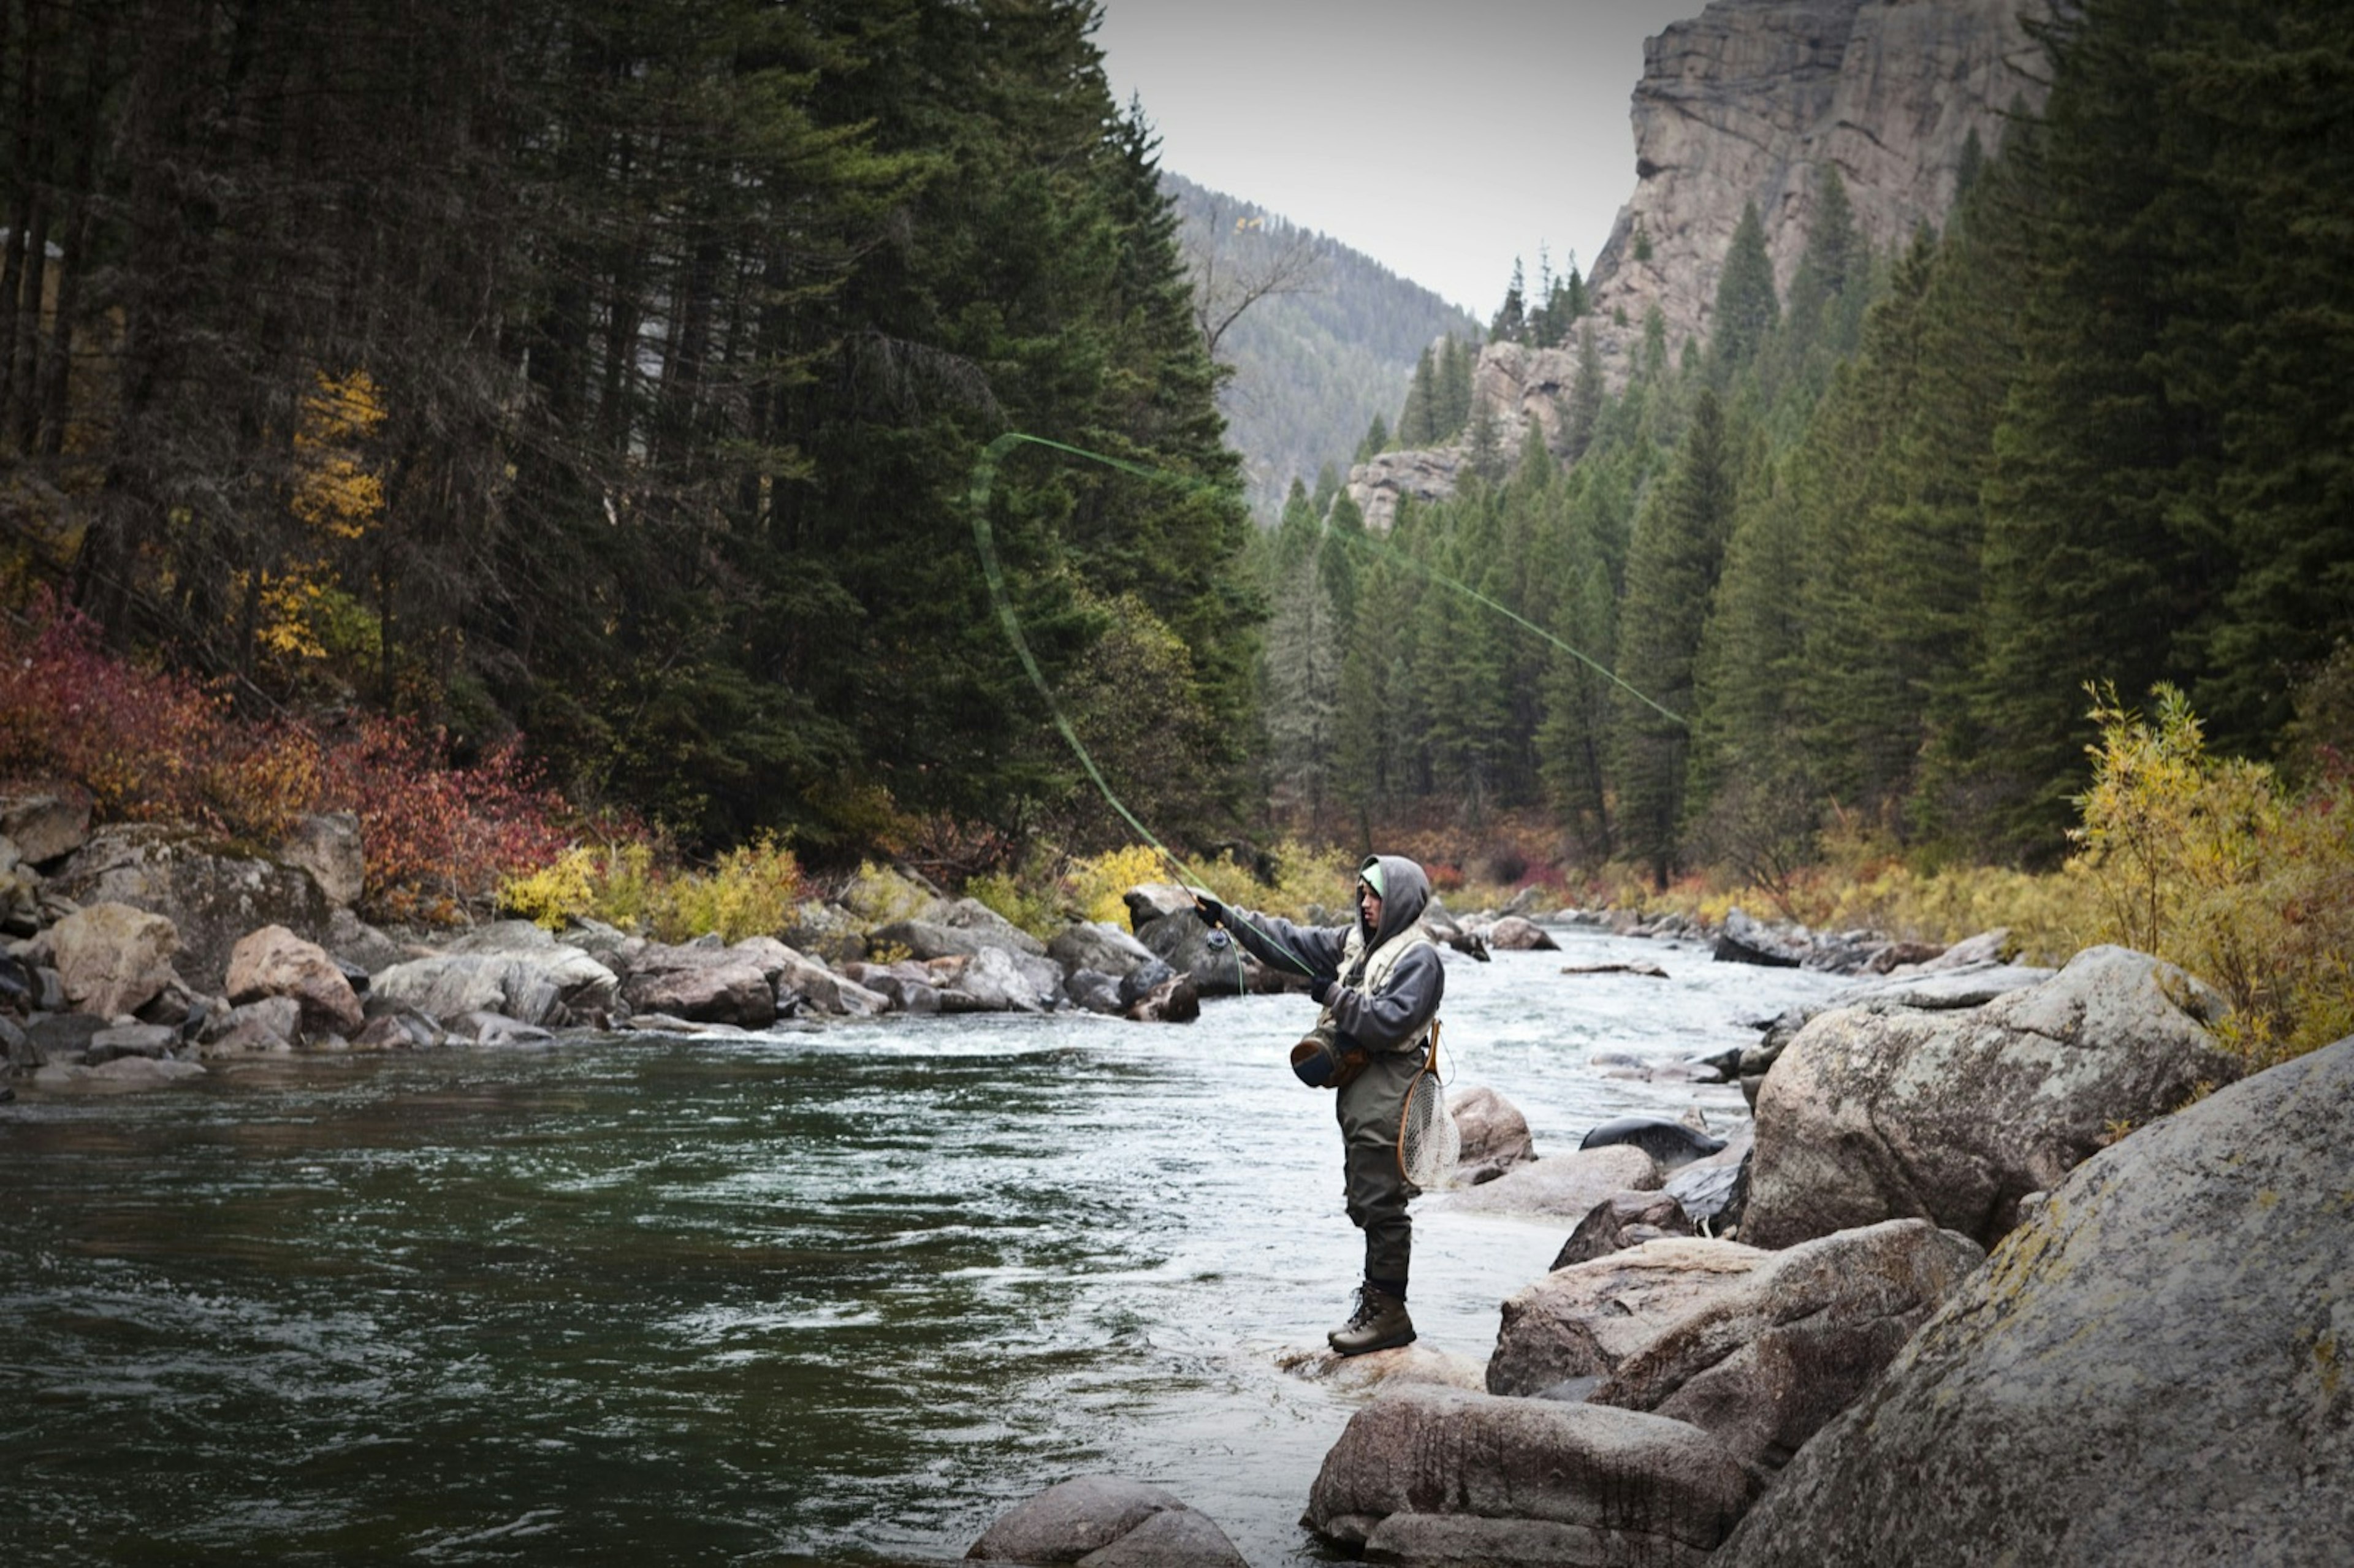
<point x="1368" y="904"/>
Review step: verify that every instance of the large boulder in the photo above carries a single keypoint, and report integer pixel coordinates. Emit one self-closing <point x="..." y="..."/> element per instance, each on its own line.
<point x="1495" y="1135"/>
<point x="111" y="957"/>
<point x="1763" y="1356"/>
<point x="1942" y="988"/>
<point x="274" y="961"/>
<point x="211" y="898"/>
<point x="1436" y="1475"/>
<point x="1955" y="1117"/>
<point x="2150" y="1370"/>
<point x="1559" y="1186"/>
<point x="986" y="924"/>
<point x="1065" y="1522"/>
<point x="1098" y="946"/>
<point x="1518" y="934"/>
<point x="544" y="987"/>
<point x="1742" y="940"/>
<point x="702" y="984"/>
<point x="801" y="982"/>
<point x="996" y="981"/>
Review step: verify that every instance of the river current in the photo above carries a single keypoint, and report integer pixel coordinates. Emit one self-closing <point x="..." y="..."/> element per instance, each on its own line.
<point x="842" y="1296"/>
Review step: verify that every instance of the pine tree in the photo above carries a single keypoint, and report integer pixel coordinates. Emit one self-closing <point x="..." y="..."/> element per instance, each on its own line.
<point x="1673" y="566"/>
<point x="1456" y="360"/>
<point x="1511" y="324"/>
<point x="1584" y="412"/>
<point x="1745" y="305"/>
<point x="1417" y="425"/>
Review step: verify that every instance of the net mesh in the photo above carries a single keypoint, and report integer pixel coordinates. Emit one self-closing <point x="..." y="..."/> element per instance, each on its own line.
<point x="1429" y="1143"/>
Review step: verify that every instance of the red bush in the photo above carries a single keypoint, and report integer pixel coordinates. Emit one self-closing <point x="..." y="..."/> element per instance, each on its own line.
<point x="160" y="745"/>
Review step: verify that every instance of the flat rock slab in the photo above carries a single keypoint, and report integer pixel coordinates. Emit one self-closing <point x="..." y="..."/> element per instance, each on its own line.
<point x="1588" y="1466"/>
<point x="2150" y="1370"/>
<point x="1414" y="1363"/>
<point x="1563" y="1186"/>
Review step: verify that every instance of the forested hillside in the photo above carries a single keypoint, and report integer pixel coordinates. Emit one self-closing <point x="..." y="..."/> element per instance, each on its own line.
<point x="1323" y="345"/>
<point x="616" y="374"/>
<point x="1857" y="560"/>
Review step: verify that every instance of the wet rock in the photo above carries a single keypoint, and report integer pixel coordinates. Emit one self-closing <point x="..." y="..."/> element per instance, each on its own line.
<point x="1105" y="948"/>
<point x="1621" y="1220"/>
<point x="703" y="985"/>
<point x="1173" y="1001"/>
<point x="1515" y="934"/>
<point x="152" y="1041"/>
<point x="16" y="1048"/>
<point x="498" y="1029"/>
<point x="1714" y="1192"/>
<point x="1564" y="1186"/>
<point x="2151" y="1369"/>
<point x="1760" y="1349"/>
<point x="1670" y="1144"/>
<point x="1957" y="1116"/>
<point x="273" y="1024"/>
<point x="274" y="961"/>
<point x="134" y="1073"/>
<point x="1597" y="1484"/>
<point x="112" y="957"/>
<point x="1093" y="991"/>
<point x="63" y="1036"/>
<point x="1415" y="1363"/>
<point x="1742" y="940"/>
<point x="1495" y="1135"/>
<point x="1142" y="981"/>
<point x="1065" y="1522"/>
<point x="401" y="1029"/>
<point x="327" y="845"/>
<point x="1173" y="1538"/>
<point x="1647" y="972"/>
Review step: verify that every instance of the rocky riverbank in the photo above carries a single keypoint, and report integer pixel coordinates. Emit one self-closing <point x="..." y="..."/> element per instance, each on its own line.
<point x="2011" y="1270"/>
<point x="137" y="953"/>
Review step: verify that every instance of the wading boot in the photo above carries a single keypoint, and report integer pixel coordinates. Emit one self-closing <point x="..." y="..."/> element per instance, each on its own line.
<point x="1379" y="1323"/>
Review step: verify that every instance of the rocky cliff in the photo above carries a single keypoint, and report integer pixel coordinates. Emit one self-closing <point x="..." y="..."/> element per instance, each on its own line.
<point x="1745" y="102"/>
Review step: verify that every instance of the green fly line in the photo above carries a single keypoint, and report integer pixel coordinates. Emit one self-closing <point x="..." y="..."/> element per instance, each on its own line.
<point x="985" y="480"/>
<point x="1391" y="553"/>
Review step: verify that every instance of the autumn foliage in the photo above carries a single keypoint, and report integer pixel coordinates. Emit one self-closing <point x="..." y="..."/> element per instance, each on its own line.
<point x="146" y="744"/>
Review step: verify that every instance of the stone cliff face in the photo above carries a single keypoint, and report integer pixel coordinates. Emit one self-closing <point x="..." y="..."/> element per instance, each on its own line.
<point x="1750" y="98"/>
<point x="1745" y="102"/>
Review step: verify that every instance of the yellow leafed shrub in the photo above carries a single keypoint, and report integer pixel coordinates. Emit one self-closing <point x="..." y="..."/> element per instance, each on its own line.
<point x="749" y="892"/>
<point x="2209" y="863"/>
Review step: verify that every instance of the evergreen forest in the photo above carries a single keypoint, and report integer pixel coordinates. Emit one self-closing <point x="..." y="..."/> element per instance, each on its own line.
<point x="610" y="374"/>
<point x="607" y="378"/>
<point x="1869" y="556"/>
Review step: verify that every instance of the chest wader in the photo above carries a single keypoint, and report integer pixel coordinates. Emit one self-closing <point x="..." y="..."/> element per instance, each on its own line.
<point x="1371" y="1101"/>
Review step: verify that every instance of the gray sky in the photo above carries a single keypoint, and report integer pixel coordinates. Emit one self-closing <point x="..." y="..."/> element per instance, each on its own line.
<point x="1440" y="137"/>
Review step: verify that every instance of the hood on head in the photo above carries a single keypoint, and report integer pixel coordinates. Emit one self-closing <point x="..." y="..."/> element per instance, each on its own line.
<point x="1406" y="893"/>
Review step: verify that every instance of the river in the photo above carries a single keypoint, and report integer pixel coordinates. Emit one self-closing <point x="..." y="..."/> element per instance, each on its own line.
<point x="842" y="1296"/>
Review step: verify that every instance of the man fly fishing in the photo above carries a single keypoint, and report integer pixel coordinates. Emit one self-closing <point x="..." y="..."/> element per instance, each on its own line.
<point x="1379" y="981"/>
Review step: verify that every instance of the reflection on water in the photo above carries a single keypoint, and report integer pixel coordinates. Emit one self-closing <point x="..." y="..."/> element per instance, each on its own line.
<point x="809" y="1297"/>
